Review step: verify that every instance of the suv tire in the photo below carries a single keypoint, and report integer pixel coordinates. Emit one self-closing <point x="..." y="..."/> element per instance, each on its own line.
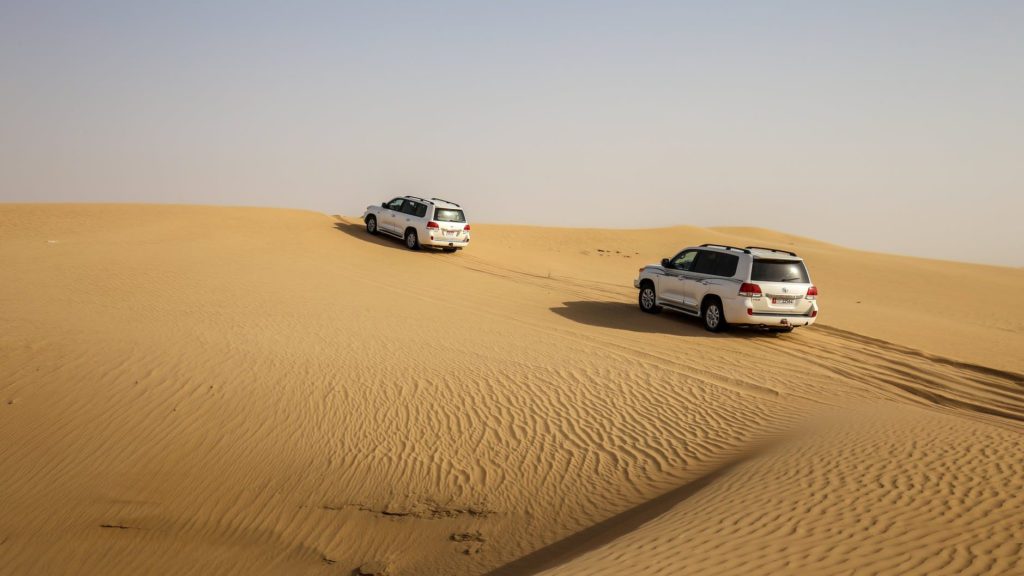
<point x="713" y="316"/>
<point x="647" y="299"/>
<point x="371" y="225"/>
<point x="412" y="240"/>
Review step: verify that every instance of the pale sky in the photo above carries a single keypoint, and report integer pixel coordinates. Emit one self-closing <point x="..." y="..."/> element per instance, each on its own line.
<point x="891" y="126"/>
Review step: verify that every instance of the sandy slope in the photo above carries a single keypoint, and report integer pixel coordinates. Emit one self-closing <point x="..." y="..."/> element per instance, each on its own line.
<point x="256" y="391"/>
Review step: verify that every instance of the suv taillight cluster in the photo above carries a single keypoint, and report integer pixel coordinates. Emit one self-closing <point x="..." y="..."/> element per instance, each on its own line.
<point x="749" y="290"/>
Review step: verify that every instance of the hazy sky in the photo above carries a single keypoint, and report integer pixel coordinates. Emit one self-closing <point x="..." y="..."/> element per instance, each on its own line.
<point x="894" y="126"/>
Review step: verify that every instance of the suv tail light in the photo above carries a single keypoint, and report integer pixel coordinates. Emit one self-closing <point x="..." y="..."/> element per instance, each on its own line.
<point x="466" y="228"/>
<point x="812" y="293"/>
<point x="750" y="290"/>
<point x="432" y="225"/>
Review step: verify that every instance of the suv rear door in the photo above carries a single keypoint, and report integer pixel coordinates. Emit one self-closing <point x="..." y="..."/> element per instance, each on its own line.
<point x="784" y="284"/>
<point x="710" y="269"/>
<point x="412" y="214"/>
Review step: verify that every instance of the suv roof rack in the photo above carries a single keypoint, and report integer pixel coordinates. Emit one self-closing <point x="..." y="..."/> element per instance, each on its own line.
<point x="773" y="250"/>
<point x="724" y="247"/>
<point x="448" y="201"/>
<point x="418" y="198"/>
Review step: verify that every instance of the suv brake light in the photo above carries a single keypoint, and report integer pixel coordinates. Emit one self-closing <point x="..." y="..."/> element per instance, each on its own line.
<point x="466" y="228"/>
<point x="812" y="293"/>
<point x="750" y="290"/>
<point x="433" y="225"/>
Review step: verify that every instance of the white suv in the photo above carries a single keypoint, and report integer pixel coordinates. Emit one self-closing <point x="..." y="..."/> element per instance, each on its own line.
<point x="436" y="223"/>
<point x="726" y="285"/>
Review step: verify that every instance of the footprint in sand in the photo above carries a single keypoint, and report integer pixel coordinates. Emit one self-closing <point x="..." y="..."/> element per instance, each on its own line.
<point x="474" y="541"/>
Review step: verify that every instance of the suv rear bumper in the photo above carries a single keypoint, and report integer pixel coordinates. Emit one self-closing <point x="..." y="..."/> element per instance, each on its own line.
<point x="736" y="313"/>
<point x="442" y="243"/>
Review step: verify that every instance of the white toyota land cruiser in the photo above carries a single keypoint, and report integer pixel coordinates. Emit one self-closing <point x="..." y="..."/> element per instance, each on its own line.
<point x="726" y="285"/>
<point x="436" y="223"/>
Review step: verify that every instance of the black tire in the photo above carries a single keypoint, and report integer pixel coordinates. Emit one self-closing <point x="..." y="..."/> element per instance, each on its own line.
<point x="648" y="298"/>
<point x="713" y="316"/>
<point x="412" y="239"/>
<point x="371" y="225"/>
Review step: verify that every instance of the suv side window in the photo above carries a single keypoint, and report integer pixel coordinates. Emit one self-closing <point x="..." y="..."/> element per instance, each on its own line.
<point x="706" y="262"/>
<point x="684" y="260"/>
<point x="726" y="265"/>
<point x="396" y="204"/>
<point x="413" y="208"/>
<point x="717" y="264"/>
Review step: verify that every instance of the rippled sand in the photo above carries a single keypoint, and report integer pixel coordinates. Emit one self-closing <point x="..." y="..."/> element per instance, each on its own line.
<point x="260" y="391"/>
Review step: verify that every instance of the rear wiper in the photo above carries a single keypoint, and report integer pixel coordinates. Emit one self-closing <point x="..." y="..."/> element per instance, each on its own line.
<point x="790" y="279"/>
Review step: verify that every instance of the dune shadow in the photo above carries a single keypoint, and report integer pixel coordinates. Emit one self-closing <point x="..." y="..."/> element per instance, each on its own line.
<point x="358" y="230"/>
<point x="623" y="316"/>
<point x="609" y="530"/>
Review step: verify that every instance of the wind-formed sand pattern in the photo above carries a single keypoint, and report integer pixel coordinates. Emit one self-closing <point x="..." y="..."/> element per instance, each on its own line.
<point x="198" y="390"/>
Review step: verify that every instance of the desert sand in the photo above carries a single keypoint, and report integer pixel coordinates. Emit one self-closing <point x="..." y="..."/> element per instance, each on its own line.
<point x="207" y="390"/>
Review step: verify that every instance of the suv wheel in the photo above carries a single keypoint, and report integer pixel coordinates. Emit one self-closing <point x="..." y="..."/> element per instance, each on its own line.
<point x="714" y="318"/>
<point x="371" y="224"/>
<point x="648" y="300"/>
<point x="412" y="241"/>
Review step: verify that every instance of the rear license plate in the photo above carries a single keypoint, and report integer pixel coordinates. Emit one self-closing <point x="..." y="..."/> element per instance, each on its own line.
<point x="783" y="300"/>
<point x="450" y="233"/>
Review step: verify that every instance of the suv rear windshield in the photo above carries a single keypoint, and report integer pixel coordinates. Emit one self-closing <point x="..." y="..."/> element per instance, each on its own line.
<point x="779" y="271"/>
<point x="449" y="215"/>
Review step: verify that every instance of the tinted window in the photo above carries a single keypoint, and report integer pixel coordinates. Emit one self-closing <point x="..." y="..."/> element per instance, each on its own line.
<point x="726" y="265"/>
<point x="414" y="208"/>
<point x="684" y="260"/>
<point x="716" y="263"/>
<point x="449" y="215"/>
<point x="396" y="204"/>
<point x="779" y="271"/>
<point x="706" y="262"/>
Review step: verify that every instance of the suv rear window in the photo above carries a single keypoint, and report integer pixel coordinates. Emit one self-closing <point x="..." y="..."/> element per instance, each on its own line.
<point x="779" y="271"/>
<point x="449" y="215"/>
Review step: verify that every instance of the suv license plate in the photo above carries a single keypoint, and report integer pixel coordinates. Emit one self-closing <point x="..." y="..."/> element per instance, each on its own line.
<point x="783" y="300"/>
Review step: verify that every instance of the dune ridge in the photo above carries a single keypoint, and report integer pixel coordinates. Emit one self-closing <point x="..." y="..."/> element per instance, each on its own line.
<point x="197" y="390"/>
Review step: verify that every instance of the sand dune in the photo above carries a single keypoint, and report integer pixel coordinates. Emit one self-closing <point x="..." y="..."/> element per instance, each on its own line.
<point x="259" y="391"/>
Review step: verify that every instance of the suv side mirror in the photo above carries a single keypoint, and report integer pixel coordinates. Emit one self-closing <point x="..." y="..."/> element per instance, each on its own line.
<point x="383" y="204"/>
<point x="666" y="263"/>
